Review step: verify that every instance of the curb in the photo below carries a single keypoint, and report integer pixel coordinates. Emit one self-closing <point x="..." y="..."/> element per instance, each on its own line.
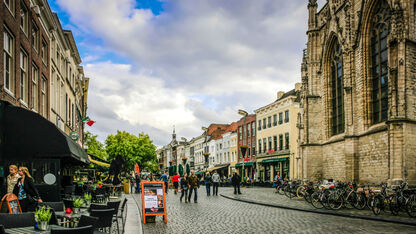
<point x="324" y="212"/>
<point x="139" y="210"/>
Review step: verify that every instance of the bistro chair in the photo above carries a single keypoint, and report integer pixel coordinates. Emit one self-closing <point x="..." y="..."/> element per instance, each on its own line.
<point x="115" y="205"/>
<point x="123" y="212"/>
<point x="2" y="231"/>
<point x="17" y="220"/>
<point x="105" y="218"/>
<point x="56" y="206"/>
<point x="87" y="221"/>
<point x="94" y="206"/>
<point x="78" y="230"/>
<point x="69" y="190"/>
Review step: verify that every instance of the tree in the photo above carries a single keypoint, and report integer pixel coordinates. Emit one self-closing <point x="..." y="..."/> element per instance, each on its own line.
<point x="134" y="149"/>
<point x="95" y="147"/>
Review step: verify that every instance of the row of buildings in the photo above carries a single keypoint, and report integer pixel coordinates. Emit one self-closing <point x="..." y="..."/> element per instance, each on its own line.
<point x="352" y="118"/>
<point x="43" y="95"/>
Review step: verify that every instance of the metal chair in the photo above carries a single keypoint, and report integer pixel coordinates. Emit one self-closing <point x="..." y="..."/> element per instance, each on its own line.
<point x="115" y="205"/>
<point x="105" y="218"/>
<point x="123" y="212"/>
<point x="56" y="206"/>
<point x="88" y="220"/>
<point x="94" y="206"/>
<point x="78" y="230"/>
<point x="17" y="220"/>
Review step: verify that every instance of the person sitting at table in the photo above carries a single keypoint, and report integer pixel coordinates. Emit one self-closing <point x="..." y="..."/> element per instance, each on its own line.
<point x="26" y="191"/>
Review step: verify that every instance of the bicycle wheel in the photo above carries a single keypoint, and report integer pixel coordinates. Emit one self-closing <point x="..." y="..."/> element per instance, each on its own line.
<point x="350" y="200"/>
<point x="335" y="201"/>
<point x="300" y="192"/>
<point x="315" y="200"/>
<point x="411" y="206"/>
<point x="377" y="205"/>
<point x="394" y="205"/>
<point x="308" y="197"/>
<point x="281" y="190"/>
<point x="324" y="199"/>
<point x="286" y="191"/>
<point x="361" y="201"/>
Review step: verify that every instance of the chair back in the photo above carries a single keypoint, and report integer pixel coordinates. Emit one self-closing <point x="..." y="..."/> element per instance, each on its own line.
<point x="88" y="220"/>
<point x="78" y="230"/>
<point x="123" y="205"/>
<point x="56" y="206"/>
<point x="68" y="203"/>
<point x="2" y="231"/>
<point x="17" y="220"/>
<point x="94" y="206"/>
<point x="114" y="204"/>
<point x="105" y="217"/>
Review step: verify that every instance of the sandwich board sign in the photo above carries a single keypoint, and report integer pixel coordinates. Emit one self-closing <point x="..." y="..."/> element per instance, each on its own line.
<point x="11" y="204"/>
<point x="153" y="200"/>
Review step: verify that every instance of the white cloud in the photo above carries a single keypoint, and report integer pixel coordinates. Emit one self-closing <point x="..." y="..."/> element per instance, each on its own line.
<point x="195" y="63"/>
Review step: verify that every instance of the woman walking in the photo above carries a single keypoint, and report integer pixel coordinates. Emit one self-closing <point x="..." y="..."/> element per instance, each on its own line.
<point x="184" y="187"/>
<point x="208" y="181"/>
<point x="25" y="191"/>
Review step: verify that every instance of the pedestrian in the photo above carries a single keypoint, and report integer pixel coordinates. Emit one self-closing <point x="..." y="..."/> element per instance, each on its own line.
<point x="193" y="186"/>
<point x="215" y="183"/>
<point x="207" y="181"/>
<point x="12" y="178"/>
<point x="184" y="187"/>
<point x="26" y="191"/>
<point x="132" y="183"/>
<point x="165" y="179"/>
<point x="236" y="180"/>
<point x="175" y="181"/>
<point x="138" y="181"/>
<point x="277" y="180"/>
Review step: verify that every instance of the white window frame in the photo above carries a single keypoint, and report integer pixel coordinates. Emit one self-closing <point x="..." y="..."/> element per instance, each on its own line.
<point x="24" y="89"/>
<point x="8" y="52"/>
<point x="24" y="14"/>
<point x="12" y="7"/>
<point x="35" y="92"/>
<point x="43" y="86"/>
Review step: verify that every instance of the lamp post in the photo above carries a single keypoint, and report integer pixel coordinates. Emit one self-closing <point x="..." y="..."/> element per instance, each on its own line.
<point x="203" y="150"/>
<point x="243" y="113"/>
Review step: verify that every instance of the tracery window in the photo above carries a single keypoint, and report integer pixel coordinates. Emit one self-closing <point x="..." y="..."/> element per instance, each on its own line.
<point x="379" y="62"/>
<point x="337" y="90"/>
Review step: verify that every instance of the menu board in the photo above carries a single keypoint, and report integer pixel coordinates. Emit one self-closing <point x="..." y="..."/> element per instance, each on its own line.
<point x="153" y="199"/>
<point x="10" y="200"/>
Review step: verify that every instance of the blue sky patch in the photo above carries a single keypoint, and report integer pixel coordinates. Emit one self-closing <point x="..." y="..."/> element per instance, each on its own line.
<point x="155" y="5"/>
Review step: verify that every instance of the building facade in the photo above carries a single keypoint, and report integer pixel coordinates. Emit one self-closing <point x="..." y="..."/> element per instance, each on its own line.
<point x="246" y="135"/>
<point x="277" y="136"/>
<point x="358" y="120"/>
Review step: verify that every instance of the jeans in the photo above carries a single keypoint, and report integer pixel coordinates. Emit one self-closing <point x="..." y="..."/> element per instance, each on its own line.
<point x="190" y="194"/>
<point x="166" y="187"/>
<point x="208" y="186"/>
<point x="215" y="188"/>
<point x="184" y="193"/>
<point x="237" y="189"/>
<point x="138" y="187"/>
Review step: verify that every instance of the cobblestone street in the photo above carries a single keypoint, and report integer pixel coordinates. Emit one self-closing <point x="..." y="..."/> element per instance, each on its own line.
<point x="220" y="215"/>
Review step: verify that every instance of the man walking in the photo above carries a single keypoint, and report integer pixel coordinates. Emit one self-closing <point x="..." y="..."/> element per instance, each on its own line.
<point x="216" y="181"/>
<point x="236" y="180"/>
<point x="165" y="179"/>
<point x="207" y="181"/>
<point x="194" y="185"/>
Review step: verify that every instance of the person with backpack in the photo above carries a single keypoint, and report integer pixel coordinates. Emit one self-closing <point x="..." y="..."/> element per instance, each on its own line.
<point x="165" y="179"/>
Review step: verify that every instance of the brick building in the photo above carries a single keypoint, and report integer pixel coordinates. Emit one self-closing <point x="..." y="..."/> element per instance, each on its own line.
<point x="246" y="135"/>
<point x="359" y="92"/>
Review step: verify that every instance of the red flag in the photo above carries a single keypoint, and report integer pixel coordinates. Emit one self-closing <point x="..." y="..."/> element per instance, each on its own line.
<point x="90" y="123"/>
<point x="136" y="167"/>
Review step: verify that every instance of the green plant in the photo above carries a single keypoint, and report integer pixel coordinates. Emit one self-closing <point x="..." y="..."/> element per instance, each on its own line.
<point x="43" y="214"/>
<point x="78" y="203"/>
<point x="99" y="182"/>
<point x="88" y="196"/>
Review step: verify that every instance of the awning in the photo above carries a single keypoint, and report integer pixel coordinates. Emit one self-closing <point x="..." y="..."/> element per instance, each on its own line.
<point x="272" y="160"/>
<point x="28" y="135"/>
<point x="217" y="167"/>
<point x="103" y="164"/>
<point x="246" y="164"/>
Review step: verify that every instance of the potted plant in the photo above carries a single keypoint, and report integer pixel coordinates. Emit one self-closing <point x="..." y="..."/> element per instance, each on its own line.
<point x="88" y="198"/>
<point x="78" y="204"/>
<point x="43" y="215"/>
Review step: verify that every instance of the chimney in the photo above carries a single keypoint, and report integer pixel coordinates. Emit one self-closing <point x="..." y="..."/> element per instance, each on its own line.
<point x="280" y="94"/>
<point x="298" y="86"/>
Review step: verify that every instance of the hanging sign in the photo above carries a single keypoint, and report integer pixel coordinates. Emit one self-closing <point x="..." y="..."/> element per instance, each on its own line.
<point x="153" y="200"/>
<point x="12" y="203"/>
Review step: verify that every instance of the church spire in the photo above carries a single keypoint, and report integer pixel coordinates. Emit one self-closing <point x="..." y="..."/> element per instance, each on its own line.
<point x="173" y="134"/>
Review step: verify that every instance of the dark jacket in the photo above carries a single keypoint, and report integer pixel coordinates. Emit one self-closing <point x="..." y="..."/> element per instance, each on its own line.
<point x="184" y="183"/>
<point x="29" y="188"/>
<point x="193" y="181"/>
<point x="236" y="179"/>
<point x="208" y="179"/>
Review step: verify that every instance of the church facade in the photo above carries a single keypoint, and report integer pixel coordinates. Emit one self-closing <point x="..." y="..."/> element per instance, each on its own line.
<point x="358" y="99"/>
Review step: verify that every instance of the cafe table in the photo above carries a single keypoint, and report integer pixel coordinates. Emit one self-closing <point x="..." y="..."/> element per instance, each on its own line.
<point x="30" y="230"/>
<point x="71" y="218"/>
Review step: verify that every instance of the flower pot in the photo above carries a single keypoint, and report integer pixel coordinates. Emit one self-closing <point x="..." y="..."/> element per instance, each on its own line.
<point x="76" y="210"/>
<point x="43" y="225"/>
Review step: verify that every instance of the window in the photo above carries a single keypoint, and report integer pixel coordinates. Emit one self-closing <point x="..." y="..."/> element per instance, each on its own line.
<point x="264" y="123"/>
<point x="379" y="82"/>
<point x="8" y="61"/>
<point x="24" y="18"/>
<point x="280" y="142"/>
<point x="287" y="140"/>
<point x="269" y="121"/>
<point x="337" y="90"/>
<point x="274" y="119"/>
<point x="35" y="36"/>
<point x="259" y="127"/>
<point x="259" y="146"/>
<point x="10" y="5"/>
<point x="220" y="146"/>
<point x="248" y="130"/>
<point x="264" y="145"/>
<point x="253" y="128"/>
<point x="270" y="143"/>
<point x="35" y="90"/>
<point x="66" y="107"/>
<point x="23" y="77"/>
<point x="275" y="142"/>
<point x="43" y="93"/>
<point x="239" y="134"/>
<point x="286" y="116"/>
<point x="280" y="117"/>
<point x="44" y="53"/>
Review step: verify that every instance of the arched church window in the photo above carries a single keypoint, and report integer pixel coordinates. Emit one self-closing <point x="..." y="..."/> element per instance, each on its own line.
<point x="379" y="62"/>
<point x="337" y="90"/>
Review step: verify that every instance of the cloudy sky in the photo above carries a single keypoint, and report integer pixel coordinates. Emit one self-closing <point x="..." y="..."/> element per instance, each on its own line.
<point x="153" y="64"/>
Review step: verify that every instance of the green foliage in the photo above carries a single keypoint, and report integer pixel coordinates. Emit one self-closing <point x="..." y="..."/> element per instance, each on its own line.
<point x="78" y="203"/>
<point x="43" y="214"/>
<point x="95" y="147"/>
<point x="88" y="196"/>
<point x="134" y="149"/>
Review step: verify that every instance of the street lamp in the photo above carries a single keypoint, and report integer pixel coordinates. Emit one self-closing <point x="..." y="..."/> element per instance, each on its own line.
<point x="243" y="113"/>
<point x="206" y="154"/>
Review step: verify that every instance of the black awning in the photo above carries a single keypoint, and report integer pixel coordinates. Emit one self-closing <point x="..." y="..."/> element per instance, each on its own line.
<point x="28" y="135"/>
